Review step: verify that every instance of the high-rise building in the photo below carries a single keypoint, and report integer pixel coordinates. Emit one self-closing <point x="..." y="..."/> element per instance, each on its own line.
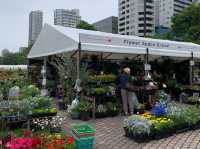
<point x="67" y="18"/>
<point x="169" y="8"/>
<point x="136" y="17"/>
<point x="109" y="25"/>
<point x="35" y="25"/>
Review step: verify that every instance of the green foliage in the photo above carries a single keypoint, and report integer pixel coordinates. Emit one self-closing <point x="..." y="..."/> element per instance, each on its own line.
<point x="29" y="91"/>
<point x="103" y="78"/>
<point x="193" y="99"/>
<point x="111" y="106"/>
<point x="17" y="58"/>
<point x="186" y="25"/>
<point x="99" y="90"/>
<point x="85" y="25"/>
<point x="27" y="105"/>
<point x="166" y="36"/>
<point x="68" y="74"/>
<point x="192" y="115"/>
<point x="84" y="106"/>
<point x="162" y="96"/>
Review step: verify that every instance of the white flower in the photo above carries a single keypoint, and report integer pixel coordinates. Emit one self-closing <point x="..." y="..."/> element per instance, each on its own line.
<point x="164" y="86"/>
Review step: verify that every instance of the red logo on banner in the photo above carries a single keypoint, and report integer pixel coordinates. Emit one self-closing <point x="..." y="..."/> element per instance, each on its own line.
<point x="109" y="40"/>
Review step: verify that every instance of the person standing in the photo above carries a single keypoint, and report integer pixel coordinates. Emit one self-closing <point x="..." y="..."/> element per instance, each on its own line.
<point x="129" y="98"/>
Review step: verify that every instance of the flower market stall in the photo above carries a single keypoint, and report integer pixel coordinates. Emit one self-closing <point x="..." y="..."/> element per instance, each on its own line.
<point x="79" y="45"/>
<point x="28" y="118"/>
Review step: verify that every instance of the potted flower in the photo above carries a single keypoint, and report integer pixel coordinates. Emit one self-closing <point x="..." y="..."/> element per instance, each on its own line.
<point x="112" y="109"/>
<point x="139" y="128"/>
<point x="141" y="109"/>
<point x="101" y="111"/>
<point x="55" y="124"/>
<point x="163" y="127"/>
<point x="84" y="108"/>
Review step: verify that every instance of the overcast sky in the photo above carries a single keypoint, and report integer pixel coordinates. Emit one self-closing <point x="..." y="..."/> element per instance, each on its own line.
<point x="14" y="16"/>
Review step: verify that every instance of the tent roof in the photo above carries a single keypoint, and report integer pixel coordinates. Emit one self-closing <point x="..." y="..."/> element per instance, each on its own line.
<point x="57" y="39"/>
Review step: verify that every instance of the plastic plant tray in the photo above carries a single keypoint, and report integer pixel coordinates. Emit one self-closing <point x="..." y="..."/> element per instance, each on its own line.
<point x="81" y="129"/>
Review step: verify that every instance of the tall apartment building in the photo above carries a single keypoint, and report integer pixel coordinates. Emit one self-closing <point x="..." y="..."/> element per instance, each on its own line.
<point x="35" y="25"/>
<point x="109" y="25"/>
<point x="67" y="18"/>
<point x="136" y="17"/>
<point x="169" y="8"/>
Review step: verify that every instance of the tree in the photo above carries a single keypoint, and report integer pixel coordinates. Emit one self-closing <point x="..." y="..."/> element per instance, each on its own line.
<point x="85" y="25"/>
<point x="17" y="58"/>
<point x="166" y="36"/>
<point x="5" y="51"/>
<point x="186" y="25"/>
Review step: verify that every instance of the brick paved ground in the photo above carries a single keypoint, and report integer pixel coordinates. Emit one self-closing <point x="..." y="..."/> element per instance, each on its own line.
<point x="110" y="135"/>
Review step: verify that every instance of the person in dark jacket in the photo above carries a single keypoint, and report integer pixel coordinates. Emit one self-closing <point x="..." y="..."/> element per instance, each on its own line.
<point x="129" y="98"/>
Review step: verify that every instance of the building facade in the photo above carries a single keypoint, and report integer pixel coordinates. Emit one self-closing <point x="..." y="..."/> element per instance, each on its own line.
<point x="67" y="18"/>
<point x="136" y="17"/>
<point x="170" y="8"/>
<point x="35" y="25"/>
<point x="109" y="25"/>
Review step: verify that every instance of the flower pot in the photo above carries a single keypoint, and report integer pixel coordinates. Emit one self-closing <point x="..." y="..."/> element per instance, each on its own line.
<point x="112" y="113"/>
<point x="74" y="115"/>
<point x="127" y="134"/>
<point x="100" y="115"/>
<point x="140" y="111"/>
<point x="142" y="138"/>
<point x="163" y="134"/>
<point x="85" y="116"/>
<point x="182" y="128"/>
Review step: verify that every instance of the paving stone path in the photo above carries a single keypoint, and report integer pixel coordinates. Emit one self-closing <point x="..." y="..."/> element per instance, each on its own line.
<point x="110" y="135"/>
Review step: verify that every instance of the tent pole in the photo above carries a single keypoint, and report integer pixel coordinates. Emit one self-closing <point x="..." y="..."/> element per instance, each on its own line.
<point x="44" y="72"/>
<point x="78" y="60"/>
<point x="191" y="68"/>
<point x="146" y="61"/>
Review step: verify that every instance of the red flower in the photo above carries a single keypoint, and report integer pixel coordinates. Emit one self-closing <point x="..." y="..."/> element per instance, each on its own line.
<point x="70" y="140"/>
<point x="36" y="142"/>
<point x="27" y="133"/>
<point x="49" y="146"/>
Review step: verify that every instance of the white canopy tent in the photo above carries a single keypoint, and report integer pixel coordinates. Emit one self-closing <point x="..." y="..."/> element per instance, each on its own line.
<point x="77" y="42"/>
<point x="56" y="39"/>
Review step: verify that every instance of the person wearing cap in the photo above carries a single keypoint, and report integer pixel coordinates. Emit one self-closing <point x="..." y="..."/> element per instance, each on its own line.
<point x="129" y="98"/>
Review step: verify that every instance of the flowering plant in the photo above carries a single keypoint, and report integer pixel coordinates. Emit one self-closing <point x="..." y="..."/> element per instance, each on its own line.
<point x="159" y="110"/>
<point x="42" y="141"/>
<point x="160" y="123"/>
<point x="138" y="125"/>
<point x="47" y="123"/>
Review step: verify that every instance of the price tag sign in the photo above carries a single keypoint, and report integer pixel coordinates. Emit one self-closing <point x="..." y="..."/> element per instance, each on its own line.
<point x="147" y="67"/>
<point x="195" y="94"/>
<point x="191" y="63"/>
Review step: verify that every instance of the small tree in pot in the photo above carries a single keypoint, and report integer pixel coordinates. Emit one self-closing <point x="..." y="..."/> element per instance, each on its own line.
<point x="84" y="108"/>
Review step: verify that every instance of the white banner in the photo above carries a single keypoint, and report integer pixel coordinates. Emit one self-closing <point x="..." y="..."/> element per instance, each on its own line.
<point x="134" y="41"/>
